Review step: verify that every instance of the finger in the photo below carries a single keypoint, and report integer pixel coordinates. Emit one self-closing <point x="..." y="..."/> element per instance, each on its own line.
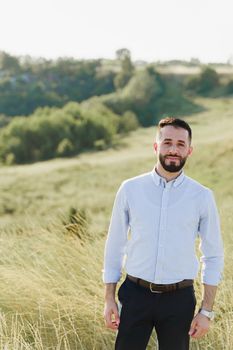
<point x="196" y="333"/>
<point x="112" y="325"/>
<point x="108" y="319"/>
<point x="193" y="328"/>
<point x="115" y="325"/>
<point x="193" y="332"/>
<point x="199" y="333"/>
<point x="116" y="316"/>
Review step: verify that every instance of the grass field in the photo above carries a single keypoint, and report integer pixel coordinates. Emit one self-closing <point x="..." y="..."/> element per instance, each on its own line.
<point x="51" y="290"/>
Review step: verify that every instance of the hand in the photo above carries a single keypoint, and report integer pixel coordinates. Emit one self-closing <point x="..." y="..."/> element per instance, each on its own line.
<point x="199" y="326"/>
<point x="111" y="315"/>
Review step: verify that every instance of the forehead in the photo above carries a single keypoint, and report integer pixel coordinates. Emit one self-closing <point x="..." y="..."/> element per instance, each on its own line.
<point x="174" y="133"/>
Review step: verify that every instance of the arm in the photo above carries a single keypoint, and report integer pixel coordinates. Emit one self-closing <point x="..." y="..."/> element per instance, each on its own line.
<point x="116" y="239"/>
<point x="113" y="257"/>
<point x="211" y="242"/>
<point x="212" y="262"/>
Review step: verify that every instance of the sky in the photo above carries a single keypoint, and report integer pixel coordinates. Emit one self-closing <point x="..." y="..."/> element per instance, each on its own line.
<point x="151" y="29"/>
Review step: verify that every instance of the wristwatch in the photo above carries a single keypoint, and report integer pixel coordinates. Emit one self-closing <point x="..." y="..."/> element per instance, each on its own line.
<point x="209" y="314"/>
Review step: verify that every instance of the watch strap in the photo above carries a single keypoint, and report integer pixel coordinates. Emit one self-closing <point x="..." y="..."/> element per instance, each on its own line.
<point x="209" y="314"/>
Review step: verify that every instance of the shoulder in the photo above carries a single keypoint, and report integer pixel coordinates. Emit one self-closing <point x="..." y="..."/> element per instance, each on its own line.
<point x="133" y="186"/>
<point x="197" y="186"/>
<point x="136" y="181"/>
<point x="204" y="193"/>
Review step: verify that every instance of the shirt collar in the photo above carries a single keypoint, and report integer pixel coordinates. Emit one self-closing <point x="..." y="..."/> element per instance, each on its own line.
<point x="158" y="180"/>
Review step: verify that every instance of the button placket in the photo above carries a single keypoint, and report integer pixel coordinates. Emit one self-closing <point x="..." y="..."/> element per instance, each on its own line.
<point x="161" y="234"/>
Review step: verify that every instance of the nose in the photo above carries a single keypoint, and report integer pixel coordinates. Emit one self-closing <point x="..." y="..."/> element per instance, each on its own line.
<point x="173" y="149"/>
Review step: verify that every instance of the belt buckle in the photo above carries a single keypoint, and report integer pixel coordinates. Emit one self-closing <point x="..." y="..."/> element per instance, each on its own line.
<point x="154" y="291"/>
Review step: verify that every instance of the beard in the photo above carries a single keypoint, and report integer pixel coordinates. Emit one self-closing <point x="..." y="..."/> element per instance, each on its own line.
<point x="172" y="167"/>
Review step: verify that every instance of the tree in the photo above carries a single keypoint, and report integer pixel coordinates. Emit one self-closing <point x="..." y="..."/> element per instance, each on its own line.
<point x="140" y="96"/>
<point x="9" y="63"/>
<point x="205" y="82"/>
<point x="127" y="68"/>
<point x="27" y="85"/>
<point x="121" y="54"/>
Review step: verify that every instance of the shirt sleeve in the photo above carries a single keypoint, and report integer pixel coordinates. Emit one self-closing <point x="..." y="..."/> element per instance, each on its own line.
<point x="116" y="239"/>
<point x="211" y="242"/>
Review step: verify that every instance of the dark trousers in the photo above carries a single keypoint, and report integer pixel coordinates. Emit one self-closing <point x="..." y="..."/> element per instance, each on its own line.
<point x="171" y="314"/>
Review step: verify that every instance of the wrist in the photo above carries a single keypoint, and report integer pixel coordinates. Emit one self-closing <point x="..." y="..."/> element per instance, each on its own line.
<point x="110" y="291"/>
<point x="209" y="314"/>
<point x="206" y="306"/>
<point x="109" y="298"/>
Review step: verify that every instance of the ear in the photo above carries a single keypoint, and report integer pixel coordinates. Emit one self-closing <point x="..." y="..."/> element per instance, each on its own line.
<point x="155" y="147"/>
<point x="190" y="150"/>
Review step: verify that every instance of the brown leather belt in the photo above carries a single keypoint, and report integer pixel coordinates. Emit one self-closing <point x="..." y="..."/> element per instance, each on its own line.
<point x="161" y="288"/>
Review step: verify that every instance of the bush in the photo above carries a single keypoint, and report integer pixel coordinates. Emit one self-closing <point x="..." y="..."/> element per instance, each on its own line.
<point x="61" y="132"/>
<point x="95" y="129"/>
<point x="128" y="122"/>
<point x="229" y="88"/>
<point x="206" y="82"/>
<point x="65" y="148"/>
<point x="35" y="138"/>
<point x="10" y="159"/>
<point x="100" y="145"/>
<point x="74" y="109"/>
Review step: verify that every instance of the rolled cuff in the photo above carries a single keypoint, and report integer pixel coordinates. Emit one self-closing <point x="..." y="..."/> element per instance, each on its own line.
<point x="212" y="276"/>
<point x="111" y="276"/>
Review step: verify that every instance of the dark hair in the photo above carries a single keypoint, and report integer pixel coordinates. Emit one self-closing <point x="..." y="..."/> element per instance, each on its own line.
<point x="177" y="123"/>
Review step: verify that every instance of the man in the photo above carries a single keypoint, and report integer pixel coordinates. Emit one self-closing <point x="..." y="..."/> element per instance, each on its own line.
<point x="155" y="221"/>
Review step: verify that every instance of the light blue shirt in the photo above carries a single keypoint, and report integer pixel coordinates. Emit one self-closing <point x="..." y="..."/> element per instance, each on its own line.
<point x="153" y="229"/>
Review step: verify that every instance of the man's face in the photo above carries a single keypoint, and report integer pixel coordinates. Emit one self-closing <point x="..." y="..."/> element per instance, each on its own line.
<point x="173" y="148"/>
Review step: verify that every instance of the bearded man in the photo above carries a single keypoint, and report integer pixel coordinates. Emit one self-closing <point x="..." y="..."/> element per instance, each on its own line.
<point x="155" y="221"/>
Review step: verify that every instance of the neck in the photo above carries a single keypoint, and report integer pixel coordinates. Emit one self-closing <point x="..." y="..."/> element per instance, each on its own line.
<point x="168" y="176"/>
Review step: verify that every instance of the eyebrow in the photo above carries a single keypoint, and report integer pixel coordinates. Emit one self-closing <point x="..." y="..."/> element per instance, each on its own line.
<point x="180" y="141"/>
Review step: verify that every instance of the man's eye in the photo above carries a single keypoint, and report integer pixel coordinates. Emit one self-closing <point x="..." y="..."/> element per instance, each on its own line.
<point x="181" y="145"/>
